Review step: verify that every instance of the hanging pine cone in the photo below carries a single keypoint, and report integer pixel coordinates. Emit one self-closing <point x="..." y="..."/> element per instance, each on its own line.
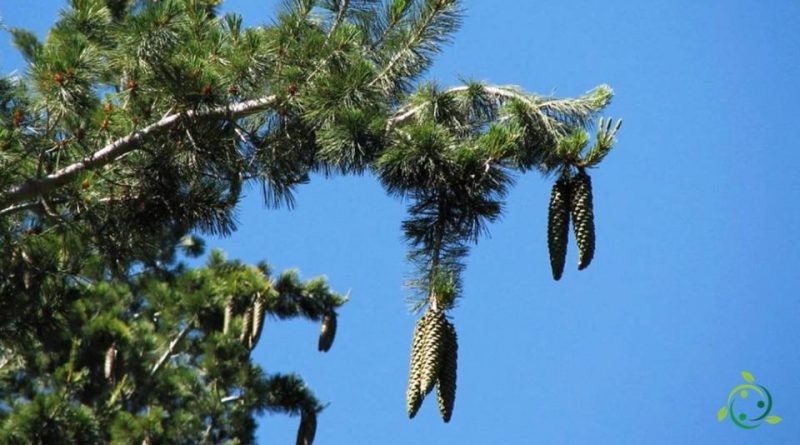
<point x="327" y="331"/>
<point x="227" y="316"/>
<point x="108" y="364"/>
<point x="414" y="395"/>
<point x="247" y="321"/>
<point x="583" y="217"/>
<point x="558" y="225"/>
<point x="308" y="428"/>
<point x="446" y="382"/>
<point x="433" y="347"/>
<point x="259" y="309"/>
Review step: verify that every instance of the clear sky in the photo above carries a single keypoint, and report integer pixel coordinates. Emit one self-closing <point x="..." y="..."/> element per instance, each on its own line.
<point x="695" y="278"/>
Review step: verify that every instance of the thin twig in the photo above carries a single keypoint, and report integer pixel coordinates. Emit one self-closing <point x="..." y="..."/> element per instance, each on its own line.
<point x="172" y="345"/>
<point x="230" y="398"/>
<point x="207" y="433"/>
<point x="25" y="206"/>
<point x="243" y="136"/>
<point x="339" y="17"/>
<point x="47" y="209"/>
<point x="33" y="205"/>
<point x="191" y="139"/>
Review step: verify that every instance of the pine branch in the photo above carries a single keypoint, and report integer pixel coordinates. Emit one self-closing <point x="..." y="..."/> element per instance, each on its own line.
<point x="554" y="113"/>
<point x="578" y="111"/>
<point x="123" y="146"/>
<point x="500" y="94"/>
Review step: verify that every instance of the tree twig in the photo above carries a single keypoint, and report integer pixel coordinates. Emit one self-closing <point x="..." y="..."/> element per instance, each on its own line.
<point x="172" y="345"/>
<point x="20" y="208"/>
<point x="339" y="16"/>
<point x="230" y="399"/>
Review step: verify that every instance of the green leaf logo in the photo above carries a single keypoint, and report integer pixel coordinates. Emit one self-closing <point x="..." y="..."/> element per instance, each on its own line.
<point x="749" y="405"/>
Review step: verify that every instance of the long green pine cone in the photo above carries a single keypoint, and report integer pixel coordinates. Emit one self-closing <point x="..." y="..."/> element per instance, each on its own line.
<point x="434" y="345"/>
<point x="414" y="395"/>
<point x="308" y="428"/>
<point x="108" y="364"/>
<point x="446" y="382"/>
<point x="227" y="316"/>
<point x="581" y="207"/>
<point x="247" y="323"/>
<point x="259" y="311"/>
<point x="432" y="365"/>
<point x="558" y="225"/>
<point x="327" y="332"/>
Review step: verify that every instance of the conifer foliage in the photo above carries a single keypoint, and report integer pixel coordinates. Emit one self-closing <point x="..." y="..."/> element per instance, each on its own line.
<point x="134" y="129"/>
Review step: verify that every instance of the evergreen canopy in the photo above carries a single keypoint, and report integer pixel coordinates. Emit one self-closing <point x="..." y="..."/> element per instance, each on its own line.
<point x="135" y="127"/>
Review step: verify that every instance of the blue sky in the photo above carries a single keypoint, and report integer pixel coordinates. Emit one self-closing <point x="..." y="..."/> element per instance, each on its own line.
<point x="695" y="275"/>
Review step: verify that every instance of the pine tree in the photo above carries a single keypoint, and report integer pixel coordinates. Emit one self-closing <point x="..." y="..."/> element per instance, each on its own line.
<point x="133" y="131"/>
